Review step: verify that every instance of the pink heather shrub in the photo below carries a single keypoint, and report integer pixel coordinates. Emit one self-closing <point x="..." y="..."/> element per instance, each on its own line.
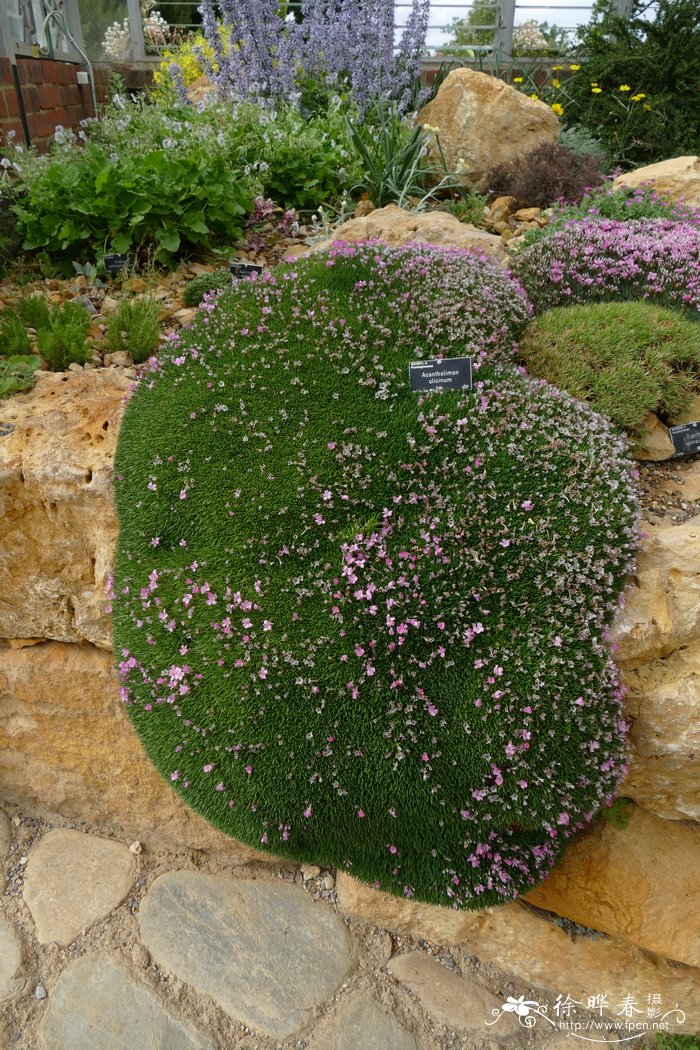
<point x="363" y="627"/>
<point x="597" y="260"/>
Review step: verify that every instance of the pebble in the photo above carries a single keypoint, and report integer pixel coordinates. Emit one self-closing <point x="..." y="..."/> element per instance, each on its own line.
<point x="309" y="871"/>
<point x="40" y="992"/>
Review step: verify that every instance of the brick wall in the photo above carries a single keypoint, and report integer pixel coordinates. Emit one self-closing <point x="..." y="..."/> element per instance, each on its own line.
<point x="51" y="96"/>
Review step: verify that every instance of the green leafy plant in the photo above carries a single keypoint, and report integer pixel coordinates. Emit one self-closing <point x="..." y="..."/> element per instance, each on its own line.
<point x="672" y="1041"/>
<point x="64" y="340"/>
<point x="196" y="289"/>
<point x="358" y="625"/>
<point x="546" y="174"/>
<point x="581" y="142"/>
<point x="17" y="373"/>
<point x="135" y="327"/>
<point x="619" y="813"/>
<point x="624" y="359"/>
<point x="468" y="207"/>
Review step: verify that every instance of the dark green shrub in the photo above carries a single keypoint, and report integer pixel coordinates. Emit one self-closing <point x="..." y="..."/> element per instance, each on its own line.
<point x="625" y="359"/>
<point x="65" y="339"/>
<point x="135" y="327"/>
<point x="33" y="311"/>
<point x="196" y="289"/>
<point x="360" y="626"/>
<point x="638" y="89"/>
<point x="546" y="174"/>
<point x="671" y="1041"/>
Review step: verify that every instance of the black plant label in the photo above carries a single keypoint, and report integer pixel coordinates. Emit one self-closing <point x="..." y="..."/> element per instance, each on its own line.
<point x="686" y="438"/>
<point x="441" y="374"/>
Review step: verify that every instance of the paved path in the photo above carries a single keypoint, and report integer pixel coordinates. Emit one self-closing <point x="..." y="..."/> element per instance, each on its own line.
<point x="107" y="946"/>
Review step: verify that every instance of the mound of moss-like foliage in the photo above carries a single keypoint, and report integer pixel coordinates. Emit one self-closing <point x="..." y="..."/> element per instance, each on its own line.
<point x="364" y="627"/>
<point x="625" y="359"/>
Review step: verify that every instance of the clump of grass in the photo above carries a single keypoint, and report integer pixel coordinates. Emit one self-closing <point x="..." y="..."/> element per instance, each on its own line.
<point x="64" y="340"/>
<point x="33" y="311"/>
<point x="362" y="626"/>
<point x="135" y="327"/>
<point x="624" y="359"/>
<point x="207" y="282"/>
<point x="14" y="340"/>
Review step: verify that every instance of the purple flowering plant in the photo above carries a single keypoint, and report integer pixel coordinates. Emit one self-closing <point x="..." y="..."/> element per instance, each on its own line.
<point x="599" y="260"/>
<point x="346" y="46"/>
<point x="361" y="626"/>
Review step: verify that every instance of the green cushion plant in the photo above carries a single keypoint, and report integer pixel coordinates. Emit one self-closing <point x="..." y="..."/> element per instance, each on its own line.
<point x="625" y="359"/>
<point x="361" y="626"/>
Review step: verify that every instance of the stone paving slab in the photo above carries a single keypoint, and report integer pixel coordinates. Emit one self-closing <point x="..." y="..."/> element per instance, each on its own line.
<point x="73" y="880"/>
<point x="361" y="1024"/>
<point x="11" y="980"/>
<point x="264" y="951"/>
<point x="98" y="1005"/>
<point x="454" y="1001"/>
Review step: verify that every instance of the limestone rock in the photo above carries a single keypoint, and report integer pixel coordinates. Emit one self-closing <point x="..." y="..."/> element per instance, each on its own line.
<point x="67" y="744"/>
<point x="57" y="522"/>
<point x="362" y="1025"/>
<point x="655" y="443"/>
<point x="662" y="605"/>
<point x="533" y="950"/>
<point x="72" y="881"/>
<point x="674" y="179"/>
<point x="97" y="1004"/>
<point x="460" y="1004"/>
<point x="5" y="835"/>
<point x="663" y="708"/>
<point x="11" y="980"/>
<point x="395" y="226"/>
<point x="483" y="122"/>
<point x="640" y="883"/>
<point x="264" y="951"/>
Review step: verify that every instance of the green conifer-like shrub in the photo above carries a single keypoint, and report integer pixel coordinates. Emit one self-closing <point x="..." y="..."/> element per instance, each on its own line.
<point x="362" y="626"/>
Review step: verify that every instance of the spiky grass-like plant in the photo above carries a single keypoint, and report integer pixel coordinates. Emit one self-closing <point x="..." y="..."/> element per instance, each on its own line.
<point x="363" y="627"/>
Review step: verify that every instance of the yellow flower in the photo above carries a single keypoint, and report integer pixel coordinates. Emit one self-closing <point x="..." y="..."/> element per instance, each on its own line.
<point x="647" y="106"/>
<point x="574" y="69"/>
<point x="431" y="127"/>
<point x="517" y="80"/>
<point x="596" y="90"/>
<point x="625" y="87"/>
<point x="639" y="97"/>
<point x="534" y="96"/>
<point x="558" y="109"/>
<point x="557" y="83"/>
<point x="555" y="68"/>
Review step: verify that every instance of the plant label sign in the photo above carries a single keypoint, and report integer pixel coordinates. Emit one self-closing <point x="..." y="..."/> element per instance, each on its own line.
<point x="115" y="263"/>
<point x="242" y="269"/>
<point x="685" y="438"/>
<point x="447" y="373"/>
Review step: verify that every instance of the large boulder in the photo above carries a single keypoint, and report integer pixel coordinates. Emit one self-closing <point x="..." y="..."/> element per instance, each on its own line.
<point x="677" y="179"/>
<point x="396" y="226"/>
<point x="482" y="122"/>
<point x="639" y="882"/>
<point x="57" y="523"/>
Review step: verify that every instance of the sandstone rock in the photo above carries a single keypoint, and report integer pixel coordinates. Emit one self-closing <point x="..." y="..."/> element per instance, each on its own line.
<point x="5" y="836"/>
<point x="395" y="226"/>
<point x="687" y="487"/>
<point x="363" y="208"/>
<point x="120" y="358"/>
<point x="527" y="214"/>
<point x="655" y="443"/>
<point x="533" y="950"/>
<point x="57" y="522"/>
<point x="460" y="1004"/>
<point x="692" y="413"/>
<point x="674" y="179"/>
<point x="663" y="707"/>
<point x="640" y="883"/>
<point x="67" y="744"/>
<point x="185" y="315"/>
<point x="662" y="605"/>
<point x="98" y="1005"/>
<point x="483" y="122"/>
<point x="362" y="1025"/>
<point x="264" y="951"/>
<point x="11" y="980"/>
<point x="72" y="881"/>
<point x="109" y="305"/>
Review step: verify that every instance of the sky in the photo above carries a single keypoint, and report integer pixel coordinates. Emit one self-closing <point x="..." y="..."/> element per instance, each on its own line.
<point x="546" y="11"/>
